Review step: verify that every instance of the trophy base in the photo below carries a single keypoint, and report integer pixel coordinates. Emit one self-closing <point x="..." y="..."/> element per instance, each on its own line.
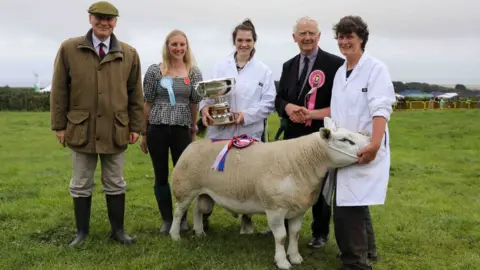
<point x="221" y="116"/>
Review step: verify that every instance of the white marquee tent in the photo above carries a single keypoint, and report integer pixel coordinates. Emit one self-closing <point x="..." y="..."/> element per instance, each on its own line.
<point x="46" y="89"/>
<point x="447" y="95"/>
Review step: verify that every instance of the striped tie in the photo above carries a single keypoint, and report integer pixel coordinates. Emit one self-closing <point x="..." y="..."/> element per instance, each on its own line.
<point x="101" y="52"/>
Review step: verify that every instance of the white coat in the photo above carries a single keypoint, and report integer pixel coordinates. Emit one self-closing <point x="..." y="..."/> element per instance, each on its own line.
<point x="368" y="92"/>
<point x="254" y="95"/>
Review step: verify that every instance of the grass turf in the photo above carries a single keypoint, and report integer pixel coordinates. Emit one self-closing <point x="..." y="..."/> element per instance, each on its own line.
<point x="431" y="219"/>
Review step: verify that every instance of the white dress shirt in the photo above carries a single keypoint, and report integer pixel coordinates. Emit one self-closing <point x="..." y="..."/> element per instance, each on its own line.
<point x="96" y="44"/>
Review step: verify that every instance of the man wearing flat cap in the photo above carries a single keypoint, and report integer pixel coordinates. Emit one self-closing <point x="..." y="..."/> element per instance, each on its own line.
<point x="96" y="107"/>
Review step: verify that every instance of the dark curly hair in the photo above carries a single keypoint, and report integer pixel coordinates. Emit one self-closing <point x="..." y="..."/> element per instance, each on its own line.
<point x="352" y="24"/>
<point x="246" y="25"/>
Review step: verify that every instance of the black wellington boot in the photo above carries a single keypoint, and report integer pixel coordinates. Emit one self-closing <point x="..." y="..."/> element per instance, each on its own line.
<point x="116" y="213"/>
<point x="164" y="202"/>
<point x="81" y="207"/>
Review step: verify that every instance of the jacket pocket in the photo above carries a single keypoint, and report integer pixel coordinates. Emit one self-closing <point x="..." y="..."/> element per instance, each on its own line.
<point x="121" y="135"/>
<point x="76" y="133"/>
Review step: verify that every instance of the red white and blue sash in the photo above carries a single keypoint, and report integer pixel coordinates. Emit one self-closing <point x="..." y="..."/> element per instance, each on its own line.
<point x="241" y="141"/>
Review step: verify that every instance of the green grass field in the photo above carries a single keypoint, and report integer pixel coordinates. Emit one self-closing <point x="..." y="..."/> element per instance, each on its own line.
<point x="431" y="219"/>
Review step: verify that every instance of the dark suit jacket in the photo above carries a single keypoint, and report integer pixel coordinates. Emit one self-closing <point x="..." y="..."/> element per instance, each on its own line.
<point x="287" y="92"/>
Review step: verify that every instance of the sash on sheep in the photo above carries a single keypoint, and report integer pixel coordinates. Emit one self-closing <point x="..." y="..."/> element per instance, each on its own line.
<point x="241" y="141"/>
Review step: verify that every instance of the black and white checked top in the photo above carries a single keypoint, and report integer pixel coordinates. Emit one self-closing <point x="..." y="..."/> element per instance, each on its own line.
<point x="162" y="112"/>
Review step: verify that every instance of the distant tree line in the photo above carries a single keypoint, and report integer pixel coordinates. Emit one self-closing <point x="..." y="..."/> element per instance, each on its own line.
<point x="23" y="99"/>
<point x="461" y="89"/>
<point x="27" y="99"/>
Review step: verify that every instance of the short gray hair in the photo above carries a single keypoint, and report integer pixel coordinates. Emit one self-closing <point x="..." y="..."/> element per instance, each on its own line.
<point x="305" y="19"/>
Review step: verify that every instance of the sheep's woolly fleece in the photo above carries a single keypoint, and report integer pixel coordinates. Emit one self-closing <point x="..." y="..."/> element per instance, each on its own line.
<point x="256" y="170"/>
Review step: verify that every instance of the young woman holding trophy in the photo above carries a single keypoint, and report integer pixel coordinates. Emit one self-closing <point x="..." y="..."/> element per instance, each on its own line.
<point x="171" y="112"/>
<point x="253" y="95"/>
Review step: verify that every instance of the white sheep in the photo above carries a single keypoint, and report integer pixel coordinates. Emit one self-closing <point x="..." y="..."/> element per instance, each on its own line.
<point x="281" y="179"/>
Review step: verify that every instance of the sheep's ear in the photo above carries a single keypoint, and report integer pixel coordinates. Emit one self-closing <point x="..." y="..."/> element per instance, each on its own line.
<point x="329" y="123"/>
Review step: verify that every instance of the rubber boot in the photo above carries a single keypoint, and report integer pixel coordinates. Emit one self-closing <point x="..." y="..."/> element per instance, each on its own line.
<point x="81" y="207"/>
<point x="116" y="213"/>
<point x="164" y="202"/>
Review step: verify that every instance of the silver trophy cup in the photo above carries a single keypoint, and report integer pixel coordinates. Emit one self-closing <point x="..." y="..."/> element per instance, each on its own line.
<point x="217" y="89"/>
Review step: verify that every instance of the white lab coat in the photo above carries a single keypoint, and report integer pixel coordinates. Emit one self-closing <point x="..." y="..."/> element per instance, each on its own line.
<point x="254" y="95"/>
<point x="368" y="92"/>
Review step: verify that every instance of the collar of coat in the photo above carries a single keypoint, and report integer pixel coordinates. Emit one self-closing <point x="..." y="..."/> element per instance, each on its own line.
<point x="115" y="50"/>
<point x="356" y="69"/>
<point x="231" y="58"/>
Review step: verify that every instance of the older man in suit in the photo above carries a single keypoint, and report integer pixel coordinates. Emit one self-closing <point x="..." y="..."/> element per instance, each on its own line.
<point x="312" y="68"/>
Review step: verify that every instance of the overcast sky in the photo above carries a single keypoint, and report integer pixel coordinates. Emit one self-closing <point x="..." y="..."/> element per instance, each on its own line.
<point x="420" y="40"/>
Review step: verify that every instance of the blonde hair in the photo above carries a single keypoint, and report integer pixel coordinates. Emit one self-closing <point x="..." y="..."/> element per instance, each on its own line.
<point x="188" y="59"/>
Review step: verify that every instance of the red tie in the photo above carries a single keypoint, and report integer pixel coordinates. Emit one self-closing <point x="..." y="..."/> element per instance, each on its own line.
<point x="101" y="53"/>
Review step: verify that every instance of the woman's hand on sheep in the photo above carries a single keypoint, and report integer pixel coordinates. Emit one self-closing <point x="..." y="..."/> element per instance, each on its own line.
<point x="368" y="153"/>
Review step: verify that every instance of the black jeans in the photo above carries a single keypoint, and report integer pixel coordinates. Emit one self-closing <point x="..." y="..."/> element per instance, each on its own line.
<point x="321" y="213"/>
<point x="354" y="235"/>
<point x="283" y="125"/>
<point x="160" y="139"/>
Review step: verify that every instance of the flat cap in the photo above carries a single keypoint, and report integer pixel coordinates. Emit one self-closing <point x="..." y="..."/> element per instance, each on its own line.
<point x="103" y="7"/>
